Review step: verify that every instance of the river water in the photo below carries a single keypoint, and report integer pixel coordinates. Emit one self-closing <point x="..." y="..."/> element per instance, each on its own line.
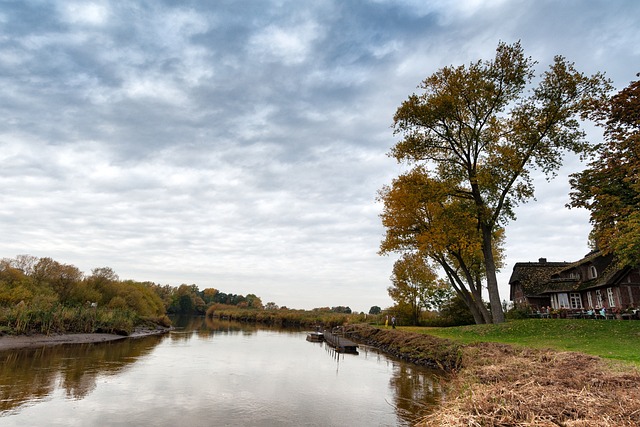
<point x="211" y="373"/>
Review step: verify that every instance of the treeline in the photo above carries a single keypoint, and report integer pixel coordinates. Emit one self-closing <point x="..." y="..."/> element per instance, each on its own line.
<point x="284" y="316"/>
<point x="41" y="295"/>
<point x="189" y="299"/>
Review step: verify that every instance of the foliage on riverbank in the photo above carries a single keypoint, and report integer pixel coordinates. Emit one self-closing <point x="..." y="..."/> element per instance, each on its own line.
<point x="286" y="317"/>
<point x="420" y="349"/>
<point x="60" y="319"/>
<point x="40" y="295"/>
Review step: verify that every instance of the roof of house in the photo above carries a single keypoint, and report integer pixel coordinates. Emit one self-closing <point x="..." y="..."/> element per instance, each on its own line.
<point x="532" y="276"/>
<point x="542" y="277"/>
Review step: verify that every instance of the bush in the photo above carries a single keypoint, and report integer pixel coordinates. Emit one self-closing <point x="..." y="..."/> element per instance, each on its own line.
<point x="455" y="313"/>
<point x="519" y="311"/>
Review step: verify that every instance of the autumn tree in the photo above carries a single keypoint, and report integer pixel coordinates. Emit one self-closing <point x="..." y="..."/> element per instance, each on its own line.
<point x="208" y="295"/>
<point x="65" y="280"/>
<point x="415" y="285"/>
<point x="483" y="128"/>
<point x="610" y="186"/>
<point x="420" y="216"/>
<point x="15" y="285"/>
<point x="187" y="300"/>
<point x="254" y="301"/>
<point x="271" y="306"/>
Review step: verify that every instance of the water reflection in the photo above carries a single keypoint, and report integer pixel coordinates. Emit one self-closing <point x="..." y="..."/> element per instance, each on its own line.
<point x="32" y="374"/>
<point x="414" y="392"/>
<point x="212" y="372"/>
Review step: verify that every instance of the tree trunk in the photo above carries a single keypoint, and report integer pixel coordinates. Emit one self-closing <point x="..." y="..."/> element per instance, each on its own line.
<point x="492" y="281"/>
<point x="463" y="293"/>
<point x="476" y="290"/>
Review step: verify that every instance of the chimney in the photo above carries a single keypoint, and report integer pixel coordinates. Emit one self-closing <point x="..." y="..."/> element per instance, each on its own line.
<point x="542" y="260"/>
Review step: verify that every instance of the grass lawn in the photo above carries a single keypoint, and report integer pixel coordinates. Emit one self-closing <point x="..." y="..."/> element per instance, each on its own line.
<point x="611" y="339"/>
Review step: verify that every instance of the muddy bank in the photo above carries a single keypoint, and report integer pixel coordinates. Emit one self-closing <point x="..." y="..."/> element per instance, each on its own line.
<point x="501" y="385"/>
<point x="424" y="350"/>
<point x="8" y="342"/>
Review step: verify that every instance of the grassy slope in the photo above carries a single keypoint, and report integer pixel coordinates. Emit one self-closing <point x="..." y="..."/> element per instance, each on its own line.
<point x="612" y="339"/>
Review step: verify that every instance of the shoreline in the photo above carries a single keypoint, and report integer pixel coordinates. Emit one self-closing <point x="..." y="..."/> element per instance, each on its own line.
<point x="16" y="342"/>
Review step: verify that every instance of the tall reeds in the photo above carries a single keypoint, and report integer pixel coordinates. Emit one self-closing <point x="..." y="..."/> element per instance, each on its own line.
<point x="58" y="318"/>
<point x="285" y="317"/>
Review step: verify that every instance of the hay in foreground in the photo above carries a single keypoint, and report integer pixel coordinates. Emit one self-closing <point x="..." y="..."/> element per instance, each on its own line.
<point x="501" y="385"/>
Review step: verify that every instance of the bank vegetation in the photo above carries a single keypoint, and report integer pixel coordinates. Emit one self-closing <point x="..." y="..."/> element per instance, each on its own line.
<point x="286" y="317"/>
<point x="43" y="296"/>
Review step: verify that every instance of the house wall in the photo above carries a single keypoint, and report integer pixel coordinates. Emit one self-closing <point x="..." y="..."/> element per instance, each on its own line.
<point x="630" y="295"/>
<point x="518" y="294"/>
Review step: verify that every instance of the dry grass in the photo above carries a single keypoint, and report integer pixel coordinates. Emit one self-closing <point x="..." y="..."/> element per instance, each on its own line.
<point x="501" y="385"/>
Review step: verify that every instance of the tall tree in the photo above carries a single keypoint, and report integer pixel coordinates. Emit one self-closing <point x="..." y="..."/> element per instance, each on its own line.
<point x="480" y="129"/>
<point x="610" y="186"/>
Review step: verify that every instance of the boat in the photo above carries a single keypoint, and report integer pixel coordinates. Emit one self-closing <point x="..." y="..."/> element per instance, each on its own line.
<point x="315" y="337"/>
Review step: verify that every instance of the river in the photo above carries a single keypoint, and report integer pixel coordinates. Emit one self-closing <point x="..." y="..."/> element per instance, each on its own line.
<point x="212" y="373"/>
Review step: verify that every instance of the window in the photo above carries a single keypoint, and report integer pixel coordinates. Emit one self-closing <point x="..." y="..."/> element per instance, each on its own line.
<point x="589" y="300"/>
<point x="575" y="300"/>
<point x="563" y="301"/>
<point x="612" y="301"/>
<point x="593" y="273"/>
<point x="599" y="298"/>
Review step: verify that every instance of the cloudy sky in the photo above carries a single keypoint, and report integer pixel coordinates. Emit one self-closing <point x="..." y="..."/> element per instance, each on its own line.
<point x="240" y="144"/>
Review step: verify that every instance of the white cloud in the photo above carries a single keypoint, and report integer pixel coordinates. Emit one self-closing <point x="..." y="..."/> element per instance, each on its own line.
<point x="289" y="44"/>
<point x="84" y="13"/>
<point x="242" y="147"/>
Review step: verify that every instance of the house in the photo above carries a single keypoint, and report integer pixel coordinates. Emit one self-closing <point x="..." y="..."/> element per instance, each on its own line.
<point x="593" y="282"/>
<point x="529" y="281"/>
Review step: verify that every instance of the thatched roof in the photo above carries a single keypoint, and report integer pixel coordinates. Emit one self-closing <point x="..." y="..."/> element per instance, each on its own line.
<point x="533" y="276"/>
<point x="542" y="277"/>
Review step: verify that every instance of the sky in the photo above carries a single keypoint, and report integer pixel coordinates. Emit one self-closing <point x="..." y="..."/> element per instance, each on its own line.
<point x="240" y="145"/>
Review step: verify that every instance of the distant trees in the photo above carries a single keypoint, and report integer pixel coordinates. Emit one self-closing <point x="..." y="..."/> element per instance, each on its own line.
<point x="375" y="310"/>
<point x="480" y="134"/>
<point x="337" y="309"/>
<point x="45" y="281"/>
<point x="271" y="306"/>
<point x="610" y="186"/>
<point x="43" y="295"/>
<point x="66" y="284"/>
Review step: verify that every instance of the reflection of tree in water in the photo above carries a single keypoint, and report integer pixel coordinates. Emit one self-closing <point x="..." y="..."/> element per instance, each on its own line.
<point x="31" y="374"/>
<point x="229" y="327"/>
<point x="416" y="392"/>
<point x="206" y="327"/>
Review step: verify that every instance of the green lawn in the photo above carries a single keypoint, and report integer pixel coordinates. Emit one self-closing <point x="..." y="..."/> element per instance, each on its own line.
<point x="612" y="339"/>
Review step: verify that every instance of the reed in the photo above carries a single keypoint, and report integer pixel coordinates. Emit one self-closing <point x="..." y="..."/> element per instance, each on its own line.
<point x="285" y="317"/>
<point x="22" y="319"/>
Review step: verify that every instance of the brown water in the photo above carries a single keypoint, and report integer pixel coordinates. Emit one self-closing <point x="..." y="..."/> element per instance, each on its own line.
<point x="211" y="373"/>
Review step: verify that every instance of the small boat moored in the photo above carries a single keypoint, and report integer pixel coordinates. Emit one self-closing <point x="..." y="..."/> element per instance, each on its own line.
<point x="315" y="336"/>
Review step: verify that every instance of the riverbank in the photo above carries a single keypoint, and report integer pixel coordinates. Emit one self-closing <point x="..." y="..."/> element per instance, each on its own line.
<point x="10" y="342"/>
<point x="494" y="384"/>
